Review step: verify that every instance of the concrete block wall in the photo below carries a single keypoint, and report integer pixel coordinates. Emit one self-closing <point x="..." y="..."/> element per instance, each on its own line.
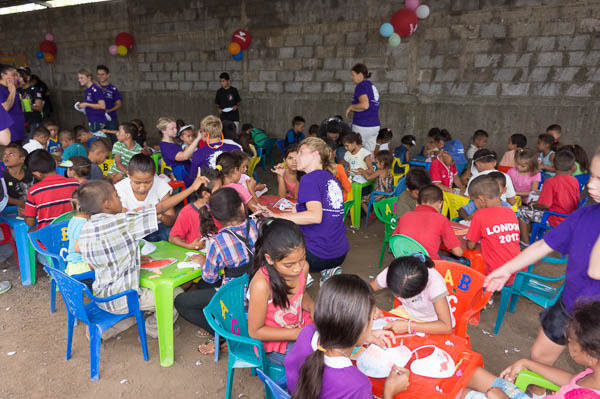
<point x="502" y="65"/>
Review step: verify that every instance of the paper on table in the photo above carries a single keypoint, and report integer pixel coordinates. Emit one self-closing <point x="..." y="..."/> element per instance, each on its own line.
<point x="261" y="192"/>
<point x="377" y="362"/>
<point x="384" y="321"/>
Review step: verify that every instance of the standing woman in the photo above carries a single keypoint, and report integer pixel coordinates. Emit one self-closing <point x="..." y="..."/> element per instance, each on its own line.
<point x="365" y="105"/>
<point x="94" y="104"/>
<point x="11" y="101"/>
<point x="320" y="210"/>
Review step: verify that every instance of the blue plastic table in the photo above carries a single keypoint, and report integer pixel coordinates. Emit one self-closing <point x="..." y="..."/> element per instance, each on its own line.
<point x="25" y="250"/>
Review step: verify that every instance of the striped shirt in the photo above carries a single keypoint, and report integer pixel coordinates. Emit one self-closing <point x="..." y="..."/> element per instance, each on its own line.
<point x="50" y="198"/>
<point x="125" y="153"/>
<point x="110" y="245"/>
<point x="226" y="250"/>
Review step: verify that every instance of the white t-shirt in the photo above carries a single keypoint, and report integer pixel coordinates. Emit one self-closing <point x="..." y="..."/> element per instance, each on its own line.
<point x="510" y="189"/>
<point x="33" y="145"/>
<point x="357" y="161"/>
<point x="159" y="189"/>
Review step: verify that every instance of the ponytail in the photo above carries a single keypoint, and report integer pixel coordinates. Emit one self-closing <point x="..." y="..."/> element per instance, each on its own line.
<point x="207" y="224"/>
<point x="319" y="145"/>
<point x="310" y="379"/>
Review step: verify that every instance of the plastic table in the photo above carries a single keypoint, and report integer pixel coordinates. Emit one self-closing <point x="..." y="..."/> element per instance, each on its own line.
<point x="357" y="189"/>
<point x="420" y="160"/>
<point x="25" y="251"/>
<point x="270" y="200"/>
<point x="425" y="387"/>
<point x="163" y="287"/>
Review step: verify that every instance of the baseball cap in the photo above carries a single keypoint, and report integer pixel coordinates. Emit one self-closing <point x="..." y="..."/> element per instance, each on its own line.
<point x="456" y="151"/>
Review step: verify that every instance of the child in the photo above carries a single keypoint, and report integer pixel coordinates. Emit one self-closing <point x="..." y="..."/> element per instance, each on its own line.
<point x="544" y="146"/>
<point x="384" y="138"/>
<point x="248" y="181"/>
<point x="247" y="146"/>
<point x="443" y="170"/>
<point x="259" y="137"/>
<point x="434" y="143"/>
<point x="70" y="147"/>
<point x="493" y="224"/>
<point x="466" y="212"/>
<point x="384" y="181"/>
<point x="480" y="138"/>
<point x="187" y="136"/>
<point x="356" y="158"/>
<point x="423" y="293"/>
<point x="582" y="163"/>
<point x="75" y="263"/>
<point x="279" y="306"/>
<point x="525" y="176"/>
<point x="416" y="178"/>
<point x="296" y="134"/>
<point x="18" y="179"/>
<point x="515" y="142"/>
<point x="340" y="174"/>
<point x="230" y="165"/>
<point x="141" y="132"/>
<point x="559" y="194"/>
<point x="287" y="174"/>
<point x="427" y="226"/>
<point x="123" y="150"/>
<point x="186" y="230"/>
<point x="403" y="150"/>
<point x="334" y="130"/>
<point x="170" y="150"/>
<point x="555" y="131"/>
<point x="78" y="168"/>
<point x="98" y="153"/>
<point x="51" y="196"/>
<point x="39" y="140"/>
<point x="485" y="163"/>
<point x="313" y="130"/>
<point x="83" y="136"/>
<point x="53" y="146"/>
<point x="228" y="255"/>
<point x="319" y="365"/>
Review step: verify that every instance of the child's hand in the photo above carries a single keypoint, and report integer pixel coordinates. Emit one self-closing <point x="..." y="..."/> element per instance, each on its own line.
<point x="378" y="314"/>
<point x="396" y="382"/>
<point x="398" y="326"/>
<point x="199" y="259"/>
<point x="200" y="180"/>
<point x="382" y="338"/>
<point x="260" y="187"/>
<point x="496" y="393"/>
<point x="198" y="243"/>
<point x="511" y="372"/>
<point x="279" y="170"/>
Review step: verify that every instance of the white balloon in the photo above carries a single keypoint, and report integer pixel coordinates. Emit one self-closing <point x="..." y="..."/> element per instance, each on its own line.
<point x="422" y="11"/>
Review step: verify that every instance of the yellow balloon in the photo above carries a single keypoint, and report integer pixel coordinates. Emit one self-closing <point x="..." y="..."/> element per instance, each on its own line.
<point x="122" y="50"/>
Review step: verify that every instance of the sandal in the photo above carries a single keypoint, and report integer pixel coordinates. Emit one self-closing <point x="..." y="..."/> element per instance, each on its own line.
<point x="208" y="348"/>
<point x="202" y="333"/>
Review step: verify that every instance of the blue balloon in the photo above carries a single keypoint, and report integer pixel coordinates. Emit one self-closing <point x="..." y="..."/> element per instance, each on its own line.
<point x="238" y="56"/>
<point x="39" y="54"/>
<point x="386" y="29"/>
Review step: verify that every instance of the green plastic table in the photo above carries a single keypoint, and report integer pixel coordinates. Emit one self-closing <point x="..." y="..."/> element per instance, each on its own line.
<point x="163" y="287"/>
<point x="357" y="189"/>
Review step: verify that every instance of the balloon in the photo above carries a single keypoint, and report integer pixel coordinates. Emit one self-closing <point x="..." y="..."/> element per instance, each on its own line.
<point x="242" y="37"/>
<point x="113" y="50"/>
<point x="422" y="11"/>
<point x="238" y="56"/>
<point x="124" y="39"/>
<point x="122" y="51"/>
<point x="386" y="29"/>
<point x="39" y="55"/>
<point x="49" y="36"/>
<point x="394" y="40"/>
<point x="48" y="47"/>
<point x="405" y="22"/>
<point x="412" y="4"/>
<point x="234" y="48"/>
<point x="48" y="57"/>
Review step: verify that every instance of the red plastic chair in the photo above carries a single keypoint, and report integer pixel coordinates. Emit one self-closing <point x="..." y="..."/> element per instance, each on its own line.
<point x="178" y="185"/>
<point x="8" y="238"/>
<point x="503" y="169"/>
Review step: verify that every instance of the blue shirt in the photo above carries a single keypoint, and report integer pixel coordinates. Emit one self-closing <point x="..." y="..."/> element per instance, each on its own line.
<point x="72" y="150"/>
<point x="54" y="146"/>
<point x="292" y="137"/>
<point x="73" y="232"/>
<point x="400" y="152"/>
<point x="369" y="117"/>
<point x="111" y="95"/>
<point x="470" y="208"/>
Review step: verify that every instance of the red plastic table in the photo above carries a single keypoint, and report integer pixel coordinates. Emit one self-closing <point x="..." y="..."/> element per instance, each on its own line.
<point x="270" y="200"/>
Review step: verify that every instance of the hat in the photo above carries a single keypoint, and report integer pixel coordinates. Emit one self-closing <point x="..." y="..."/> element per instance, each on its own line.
<point x="185" y="128"/>
<point x="456" y="151"/>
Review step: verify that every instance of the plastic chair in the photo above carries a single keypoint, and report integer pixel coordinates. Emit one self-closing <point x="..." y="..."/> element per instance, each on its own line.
<point x="65" y="217"/>
<point x="55" y="246"/>
<point x="582" y="179"/>
<point x="531" y="286"/>
<point x="271" y="386"/>
<point x="538" y="229"/>
<point x="157" y="158"/>
<point x="452" y="203"/>
<point x="402" y="245"/>
<point x="180" y="172"/>
<point x="267" y="151"/>
<point x="526" y="378"/>
<point x="180" y="186"/>
<point x="424" y="164"/>
<point x="503" y="169"/>
<point x="9" y="239"/>
<point x="98" y="320"/>
<point x="281" y="145"/>
<point x="398" y="189"/>
<point x="225" y="314"/>
<point x="106" y="165"/>
<point x="357" y="190"/>
<point x="252" y="166"/>
<point x="399" y="170"/>
<point x="347" y="206"/>
<point x="385" y="210"/>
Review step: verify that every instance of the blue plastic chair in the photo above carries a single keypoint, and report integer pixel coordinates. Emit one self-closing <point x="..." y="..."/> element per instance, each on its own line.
<point x="538" y="229"/>
<point x="399" y="189"/>
<point x="281" y="145"/>
<point x="266" y="151"/>
<point x="272" y="387"/>
<point x="98" y="320"/>
<point x="180" y="173"/>
<point x="226" y="315"/>
<point x="531" y="286"/>
<point x="582" y="179"/>
<point x="55" y="241"/>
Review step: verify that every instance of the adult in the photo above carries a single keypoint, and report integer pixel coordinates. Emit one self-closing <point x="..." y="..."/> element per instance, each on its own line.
<point x="5" y="125"/>
<point x="94" y="105"/>
<point x="177" y="159"/>
<point x="365" y="105"/>
<point x="33" y="101"/>
<point x="112" y="96"/>
<point x="43" y="87"/>
<point x="9" y="80"/>
<point x="228" y="101"/>
<point x="320" y="210"/>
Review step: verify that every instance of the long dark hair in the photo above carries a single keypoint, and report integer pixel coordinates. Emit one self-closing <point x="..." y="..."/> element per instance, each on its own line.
<point x="277" y="238"/>
<point x="342" y="313"/>
<point x="362" y="68"/>
<point x="224" y="205"/>
<point x="408" y="275"/>
<point x="585" y="325"/>
<point x="228" y="162"/>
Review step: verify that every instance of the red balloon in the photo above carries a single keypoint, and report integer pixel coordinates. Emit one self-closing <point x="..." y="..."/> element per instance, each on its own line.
<point x="48" y="47"/>
<point x="405" y="22"/>
<point x="242" y="37"/>
<point x="124" y="39"/>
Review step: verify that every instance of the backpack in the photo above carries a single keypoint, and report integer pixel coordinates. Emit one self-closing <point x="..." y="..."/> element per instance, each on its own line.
<point x="259" y="137"/>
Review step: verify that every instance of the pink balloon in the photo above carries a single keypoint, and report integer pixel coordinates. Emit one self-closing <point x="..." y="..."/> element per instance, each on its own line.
<point x="113" y="49"/>
<point x="49" y="36"/>
<point x="412" y="4"/>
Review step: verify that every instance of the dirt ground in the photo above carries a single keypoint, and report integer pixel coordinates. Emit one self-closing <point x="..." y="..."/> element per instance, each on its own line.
<point x="38" y="368"/>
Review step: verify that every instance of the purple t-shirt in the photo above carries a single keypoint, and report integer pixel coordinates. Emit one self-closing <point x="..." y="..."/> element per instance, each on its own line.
<point x="340" y="378"/>
<point x="206" y="157"/>
<point x="17" y="131"/>
<point x="93" y="94"/>
<point x="111" y="95"/>
<point x="5" y="119"/>
<point x="327" y="240"/>
<point x="576" y="237"/>
<point x="169" y="151"/>
<point x="369" y="117"/>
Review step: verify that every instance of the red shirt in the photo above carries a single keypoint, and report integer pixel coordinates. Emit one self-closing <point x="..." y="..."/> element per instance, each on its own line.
<point x="429" y="228"/>
<point x="560" y="194"/>
<point x="440" y="173"/>
<point x="498" y="229"/>
<point x="187" y="225"/>
<point x="50" y="198"/>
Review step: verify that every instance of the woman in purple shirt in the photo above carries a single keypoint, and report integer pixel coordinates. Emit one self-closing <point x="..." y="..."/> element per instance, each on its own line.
<point x="365" y="105"/>
<point x="11" y="101"/>
<point x="175" y="158"/>
<point x="94" y="104"/>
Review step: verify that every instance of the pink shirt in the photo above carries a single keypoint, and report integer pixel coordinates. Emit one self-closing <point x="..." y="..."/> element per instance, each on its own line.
<point x="241" y="190"/>
<point x="572" y="390"/>
<point x="523" y="182"/>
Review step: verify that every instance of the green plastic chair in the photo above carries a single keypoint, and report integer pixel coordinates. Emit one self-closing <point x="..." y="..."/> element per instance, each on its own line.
<point x="347" y="206"/>
<point x="64" y="217"/>
<point x="402" y="245"/>
<point x="357" y="190"/>
<point x="526" y="378"/>
<point x="157" y="158"/>
<point x="385" y="210"/>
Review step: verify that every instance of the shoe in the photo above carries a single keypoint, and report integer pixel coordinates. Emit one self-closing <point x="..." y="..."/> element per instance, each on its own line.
<point x="5" y="286"/>
<point x="328" y="273"/>
<point x="309" y="280"/>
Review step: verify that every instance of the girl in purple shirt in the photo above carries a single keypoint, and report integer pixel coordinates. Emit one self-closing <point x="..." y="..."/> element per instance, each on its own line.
<point x="93" y="104"/>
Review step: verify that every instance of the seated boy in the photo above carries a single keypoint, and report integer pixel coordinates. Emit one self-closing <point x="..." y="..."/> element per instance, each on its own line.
<point x="485" y="162"/>
<point x="559" y="194"/>
<point x="416" y="178"/>
<point x="70" y="147"/>
<point x="493" y="224"/>
<point x="78" y="168"/>
<point x="18" y="179"/>
<point x="427" y="226"/>
<point x="39" y="140"/>
<point x="83" y="136"/>
<point x="467" y="211"/>
<point x="51" y="197"/>
<point x="296" y="134"/>
<point x="54" y="146"/>
<point x="443" y="169"/>
<point x="98" y="153"/>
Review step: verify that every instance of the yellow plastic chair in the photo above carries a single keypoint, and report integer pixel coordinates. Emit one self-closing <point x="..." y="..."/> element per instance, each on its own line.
<point x="452" y="203"/>
<point x="106" y="165"/>
<point x="517" y="204"/>
<point x="252" y="166"/>
<point x="398" y="164"/>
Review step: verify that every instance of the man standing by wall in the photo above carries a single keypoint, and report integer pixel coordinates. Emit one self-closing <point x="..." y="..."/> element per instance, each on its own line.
<point x="228" y="101"/>
<point x="112" y="97"/>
